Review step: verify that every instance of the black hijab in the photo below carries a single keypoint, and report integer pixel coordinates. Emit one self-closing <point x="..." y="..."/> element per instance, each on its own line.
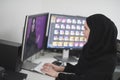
<point x="97" y="60"/>
<point x="100" y="49"/>
<point x="102" y="38"/>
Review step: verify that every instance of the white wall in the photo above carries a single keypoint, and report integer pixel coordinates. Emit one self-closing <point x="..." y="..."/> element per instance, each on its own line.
<point x="12" y="17"/>
<point x="13" y="12"/>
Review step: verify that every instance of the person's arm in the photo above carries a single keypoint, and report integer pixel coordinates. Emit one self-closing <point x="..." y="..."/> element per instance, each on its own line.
<point x="70" y="68"/>
<point x="65" y="76"/>
<point x="90" y="76"/>
<point x="38" y="38"/>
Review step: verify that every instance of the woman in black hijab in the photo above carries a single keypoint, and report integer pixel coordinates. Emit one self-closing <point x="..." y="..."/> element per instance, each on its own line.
<point x="98" y="58"/>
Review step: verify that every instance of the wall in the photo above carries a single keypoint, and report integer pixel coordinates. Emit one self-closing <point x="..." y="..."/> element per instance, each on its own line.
<point x="12" y="17"/>
<point x="13" y="12"/>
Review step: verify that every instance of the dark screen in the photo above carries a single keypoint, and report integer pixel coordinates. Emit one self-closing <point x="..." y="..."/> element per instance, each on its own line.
<point x="34" y="34"/>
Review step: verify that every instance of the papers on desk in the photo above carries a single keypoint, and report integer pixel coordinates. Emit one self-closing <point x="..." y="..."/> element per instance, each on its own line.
<point x="39" y="67"/>
<point x="42" y="62"/>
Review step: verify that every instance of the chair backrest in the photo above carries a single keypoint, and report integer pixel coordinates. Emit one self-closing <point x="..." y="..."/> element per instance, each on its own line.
<point x="118" y="45"/>
<point x="118" y="52"/>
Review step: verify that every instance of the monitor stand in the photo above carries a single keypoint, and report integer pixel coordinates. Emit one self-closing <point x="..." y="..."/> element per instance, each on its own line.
<point x="65" y="57"/>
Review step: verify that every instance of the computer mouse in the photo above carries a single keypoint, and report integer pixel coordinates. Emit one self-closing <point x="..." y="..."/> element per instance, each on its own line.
<point x="56" y="63"/>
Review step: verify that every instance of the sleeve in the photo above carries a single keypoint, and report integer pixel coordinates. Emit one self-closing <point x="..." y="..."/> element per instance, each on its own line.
<point x="91" y="76"/>
<point x="70" y="68"/>
<point x="64" y="76"/>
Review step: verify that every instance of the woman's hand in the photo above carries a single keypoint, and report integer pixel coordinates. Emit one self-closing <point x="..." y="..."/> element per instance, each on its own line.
<point x="55" y="67"/>
<point x="50" y="71"/>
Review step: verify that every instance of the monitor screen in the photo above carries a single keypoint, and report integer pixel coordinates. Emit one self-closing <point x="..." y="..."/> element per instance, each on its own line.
<point x="34" y="34"/>
<point x="66" y="32"/>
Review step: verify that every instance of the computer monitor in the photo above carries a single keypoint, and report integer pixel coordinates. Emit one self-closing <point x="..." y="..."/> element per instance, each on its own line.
<point x="66" y="33"/>
<point x="34" y="34"/>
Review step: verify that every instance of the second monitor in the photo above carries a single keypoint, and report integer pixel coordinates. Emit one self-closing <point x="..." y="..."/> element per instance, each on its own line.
<point x="33" y="36"/>
<point x="66" y="33"/>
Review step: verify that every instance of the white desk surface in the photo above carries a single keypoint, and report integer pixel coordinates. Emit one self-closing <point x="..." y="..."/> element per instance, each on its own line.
<point x="36" y="76"/>
<point x="47" y="58"/>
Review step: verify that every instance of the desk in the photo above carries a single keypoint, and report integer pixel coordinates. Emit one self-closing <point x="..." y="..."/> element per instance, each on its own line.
<point x="36" y="76"/>
<point x="48" y="57"/>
